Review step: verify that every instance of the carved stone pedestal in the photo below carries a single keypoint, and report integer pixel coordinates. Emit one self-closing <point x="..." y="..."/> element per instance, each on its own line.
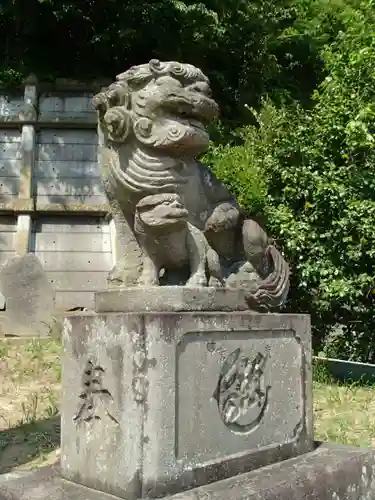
<point x="154" y="404"/>
<point x="191" y="406"/>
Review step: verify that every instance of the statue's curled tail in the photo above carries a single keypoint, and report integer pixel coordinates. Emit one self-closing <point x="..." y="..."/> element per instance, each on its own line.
<point x="272" y="292"/>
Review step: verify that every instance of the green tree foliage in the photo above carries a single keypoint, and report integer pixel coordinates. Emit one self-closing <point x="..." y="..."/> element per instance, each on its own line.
<point x="239" y="167"/>
<point x="238" y="43"/>
<point x="319" y="166"/>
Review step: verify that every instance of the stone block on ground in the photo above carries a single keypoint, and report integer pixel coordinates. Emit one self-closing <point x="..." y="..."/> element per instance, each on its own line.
<point x="29" y="297"/>
<point x="170" y="401"/>
<point x="330" y="472"/>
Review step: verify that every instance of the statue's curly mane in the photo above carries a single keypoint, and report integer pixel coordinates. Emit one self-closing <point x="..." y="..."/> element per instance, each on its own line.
<point x="137" y="77"/>
<point x="126" y="111"/>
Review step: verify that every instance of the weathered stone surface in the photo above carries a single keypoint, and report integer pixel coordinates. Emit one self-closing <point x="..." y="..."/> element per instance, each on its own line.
<point x="156" y="403"/>
<point x="2" y="302"/>
<point x="170" y="299"/>
<point x="29" y="297"/>
<point x="330" y="472"/>
<point x="171" y="213"/>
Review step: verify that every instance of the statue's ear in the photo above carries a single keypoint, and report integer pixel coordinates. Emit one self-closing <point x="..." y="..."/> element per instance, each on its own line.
<point x="113" y="108"/>
<point x="100" y="103"/>
<point x="117" y="94"/>
<point x="117" y="121"/>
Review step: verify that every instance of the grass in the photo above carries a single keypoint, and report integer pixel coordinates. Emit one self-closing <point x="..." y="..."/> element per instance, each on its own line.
<point x="29" y="403"/>
<point x="343" y="413"/>
<point x="29" y="406"/>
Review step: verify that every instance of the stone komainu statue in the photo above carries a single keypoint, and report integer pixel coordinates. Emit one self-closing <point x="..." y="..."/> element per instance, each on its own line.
<point x="175" y="222"/>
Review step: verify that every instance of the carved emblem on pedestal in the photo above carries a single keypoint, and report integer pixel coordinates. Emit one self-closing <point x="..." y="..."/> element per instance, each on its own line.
<point x="241" y="395"/>
<point x="94" y="398"/>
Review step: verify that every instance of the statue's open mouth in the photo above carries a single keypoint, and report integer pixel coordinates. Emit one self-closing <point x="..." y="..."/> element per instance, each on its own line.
<point x="193" y="120"/>
<point x="197" y="109"/>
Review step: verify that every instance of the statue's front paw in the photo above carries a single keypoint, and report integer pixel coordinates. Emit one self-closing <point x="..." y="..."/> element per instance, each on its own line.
<point x="197" y="281"/>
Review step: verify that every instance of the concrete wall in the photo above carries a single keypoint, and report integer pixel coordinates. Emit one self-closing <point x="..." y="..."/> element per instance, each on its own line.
<point x="51" y="199"/>
<point x="8" y="228"/>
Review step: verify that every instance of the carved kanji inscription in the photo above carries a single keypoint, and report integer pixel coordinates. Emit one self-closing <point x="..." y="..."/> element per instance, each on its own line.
<point x="94" y="397"/>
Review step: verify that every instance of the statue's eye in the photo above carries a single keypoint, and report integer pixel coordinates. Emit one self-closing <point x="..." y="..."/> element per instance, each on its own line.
<point x="168" y="80"/>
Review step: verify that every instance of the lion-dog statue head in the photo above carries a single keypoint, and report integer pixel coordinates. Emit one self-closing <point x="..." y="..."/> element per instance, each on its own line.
<point x="161" y="105"/>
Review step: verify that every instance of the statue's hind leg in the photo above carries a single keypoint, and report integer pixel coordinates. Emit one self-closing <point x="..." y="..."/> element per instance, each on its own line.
<point x="197" y="247"/>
